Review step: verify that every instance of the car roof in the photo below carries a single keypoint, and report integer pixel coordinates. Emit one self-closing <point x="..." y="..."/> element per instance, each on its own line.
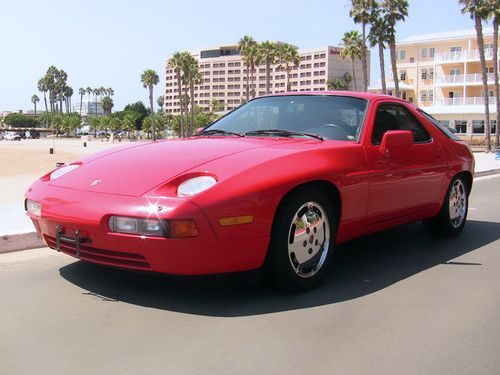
<point x="354" y="94"/>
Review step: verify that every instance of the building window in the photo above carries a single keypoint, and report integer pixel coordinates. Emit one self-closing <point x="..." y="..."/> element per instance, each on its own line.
<point x="493" y="126"/>
<point x="432" y="51"/>
<point x="402" y="55"/>
<point x="423" y="95"/>
<point x="478" y="126"/>
<point x="402" y="75"/>
<point x="461" y="126"/>
<point x="424" y="53"/>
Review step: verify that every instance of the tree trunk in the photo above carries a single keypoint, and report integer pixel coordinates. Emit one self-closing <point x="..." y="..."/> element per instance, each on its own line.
<point x="45" y="100"/>
<point x="392" y="47"/>
<point x="364" y="63"/>
<point x="252" y="79"/>
<point x="268" y="77"/>
<point x="179" y="91"/>
<point x="382" y="67"/>
<point x="480" y="43"/>
<point x="191" y="92"/>
<point x="35" y="107"/>
<point x="81" y="102"/>
<point x="354" y="75"/>
<point x="153" y="127"/>
<point x="248" y="82"/>
<point x="496" y="63"/>
<point x="288" y="87"/>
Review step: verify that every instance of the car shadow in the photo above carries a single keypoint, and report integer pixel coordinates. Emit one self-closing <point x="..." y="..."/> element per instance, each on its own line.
<point x="360" y="267"/>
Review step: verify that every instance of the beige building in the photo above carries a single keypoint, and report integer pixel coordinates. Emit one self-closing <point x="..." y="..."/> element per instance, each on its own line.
<point x="441" y="73"/>
<point x="224" y="76"/>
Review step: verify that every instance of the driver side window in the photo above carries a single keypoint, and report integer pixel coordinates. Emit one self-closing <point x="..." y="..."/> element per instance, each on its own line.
<point x="396" y="117"/>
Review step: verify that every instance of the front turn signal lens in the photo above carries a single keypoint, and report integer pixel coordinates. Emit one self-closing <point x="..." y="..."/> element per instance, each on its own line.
<point x="33" y="207"/>
<point x="183" y="228"/>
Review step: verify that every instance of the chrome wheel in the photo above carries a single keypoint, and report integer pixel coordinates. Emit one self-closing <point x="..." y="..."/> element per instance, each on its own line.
<point x="308" y="239"/>
<point x="457" y="204"/>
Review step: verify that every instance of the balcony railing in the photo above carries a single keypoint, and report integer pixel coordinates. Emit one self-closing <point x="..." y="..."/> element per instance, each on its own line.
<point x="466" y="101"/>
<point x="462" y="79"/>
<point x="461" y="56"/>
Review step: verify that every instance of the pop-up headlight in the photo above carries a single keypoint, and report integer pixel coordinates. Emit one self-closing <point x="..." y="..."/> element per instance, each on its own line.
<point x="195" y="186"/>
<point x="62" y="171"/>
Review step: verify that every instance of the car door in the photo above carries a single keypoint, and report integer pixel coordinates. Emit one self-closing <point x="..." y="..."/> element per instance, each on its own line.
<point x="406" y="182"/>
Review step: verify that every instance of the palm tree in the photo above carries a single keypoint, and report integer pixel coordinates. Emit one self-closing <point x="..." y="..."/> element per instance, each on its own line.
<point x="267" y="55"/>
<point x="478" y="12"/>
<point x="379" y="36"/>
<point x="109" y="91"/>
<point x="160" y="101"/>
<point x="351" y="43"/>
<point x="34" y="99"/>
<point x="245" y="46"/>
<point x="107" y="105"/>
<point x="68" y="93"/>
<point x="191" y="78"/>
<point x="81" y="92"/>
<point x="394" y="11"/>
<point x="362" y="12"/>
<point x="251" y="57"/>
<point x="95" y="92"/>
<point x="43" y="87"/>
<point x="176" y="63"/>
<point x="494" y="8"/>
<point x="149" y="78"/>
<point x="289" y="56"/>
<point x="50" y="79"/>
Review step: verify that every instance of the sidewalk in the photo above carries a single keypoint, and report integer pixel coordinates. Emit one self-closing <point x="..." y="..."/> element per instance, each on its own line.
<point x="14" y="224"/>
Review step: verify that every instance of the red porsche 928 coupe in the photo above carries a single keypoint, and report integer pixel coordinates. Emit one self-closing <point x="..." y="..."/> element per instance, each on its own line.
<point x="275" y="184"/>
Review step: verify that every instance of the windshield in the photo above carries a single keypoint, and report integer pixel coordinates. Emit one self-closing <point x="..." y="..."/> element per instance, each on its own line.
<point x="330" y="117"/>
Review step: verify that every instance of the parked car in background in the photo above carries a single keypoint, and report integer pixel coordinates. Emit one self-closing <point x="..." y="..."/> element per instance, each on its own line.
<point x="12" y="136"/>
<point x="274" y="185"/>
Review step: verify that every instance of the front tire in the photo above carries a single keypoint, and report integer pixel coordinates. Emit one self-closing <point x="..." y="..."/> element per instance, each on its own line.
<point x="302" y="240"/>
<point x="453" y="214"/>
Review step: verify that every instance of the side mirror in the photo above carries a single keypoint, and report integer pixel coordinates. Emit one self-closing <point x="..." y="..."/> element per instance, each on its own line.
<point x="394" y="140"/>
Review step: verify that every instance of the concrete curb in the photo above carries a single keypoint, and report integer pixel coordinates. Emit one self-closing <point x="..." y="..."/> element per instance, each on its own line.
<point x="18" y="242"/>
<point x="26" y="241"/>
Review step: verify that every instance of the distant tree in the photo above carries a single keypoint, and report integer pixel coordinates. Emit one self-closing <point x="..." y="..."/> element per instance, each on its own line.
<point x="43" y="87"/>
<point x="247" y="47"/>
<point x="478" y="11"/>
<point x="288" y="56"/>
<point x="19" y="120"/>
<point x="149" y="78"/>
<point x="107" y="105"/>
<point x="336" y="84"/>
<point x="160" y="101"/>
<point x="362" y="12"/>
<point x="217" y="106"/>
<point x="267" y="54"/>
<point x="69" y="123"/>
<point x="176" y="63"/>
<point x="394" y="11"/>
<point x="81" y="92"/>
<point x="34" y="100"/>
<point x="94" y="124"/>
<point x="138" y="109"/>
<point x="192" y="77"/>
<point x="351" y="43"/>
<point x="380" y="36"/>
<point x="494" y="14"/>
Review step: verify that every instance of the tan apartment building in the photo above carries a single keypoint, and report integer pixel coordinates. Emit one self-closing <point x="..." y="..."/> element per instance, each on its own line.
<point x="441" y="73"/>
<point x="225" y="76"/>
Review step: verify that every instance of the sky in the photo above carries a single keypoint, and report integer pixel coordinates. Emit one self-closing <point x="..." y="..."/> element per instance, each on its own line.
<point x="110" y="43"/>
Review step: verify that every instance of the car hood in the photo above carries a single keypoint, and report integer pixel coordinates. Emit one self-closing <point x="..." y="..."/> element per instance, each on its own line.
<point x="136" y="170"/>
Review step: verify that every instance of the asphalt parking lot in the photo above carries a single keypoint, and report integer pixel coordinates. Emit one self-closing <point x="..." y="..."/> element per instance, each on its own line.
<point x="395" y="302"/>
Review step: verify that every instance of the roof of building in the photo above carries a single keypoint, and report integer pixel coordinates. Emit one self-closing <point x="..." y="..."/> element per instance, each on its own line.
<point x="443" y="36"/>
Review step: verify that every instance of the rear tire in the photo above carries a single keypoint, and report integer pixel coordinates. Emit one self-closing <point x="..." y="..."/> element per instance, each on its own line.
<point x="302" y="240"/>
<point x="453" y="214"/>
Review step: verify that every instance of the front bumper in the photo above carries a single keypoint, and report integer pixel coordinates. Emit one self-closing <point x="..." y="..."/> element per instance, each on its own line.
<point x="76" y="223"/>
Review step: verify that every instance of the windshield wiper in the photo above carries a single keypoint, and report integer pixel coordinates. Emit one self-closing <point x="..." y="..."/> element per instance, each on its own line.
<point x="218" y="132"/>
<point x="283" y="133"/>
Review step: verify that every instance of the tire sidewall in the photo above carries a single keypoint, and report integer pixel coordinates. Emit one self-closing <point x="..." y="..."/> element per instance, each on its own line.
<point x="280" y="267"/>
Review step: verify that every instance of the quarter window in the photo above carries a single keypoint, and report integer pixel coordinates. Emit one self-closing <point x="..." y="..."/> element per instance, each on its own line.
<point x="396" y="117"/>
